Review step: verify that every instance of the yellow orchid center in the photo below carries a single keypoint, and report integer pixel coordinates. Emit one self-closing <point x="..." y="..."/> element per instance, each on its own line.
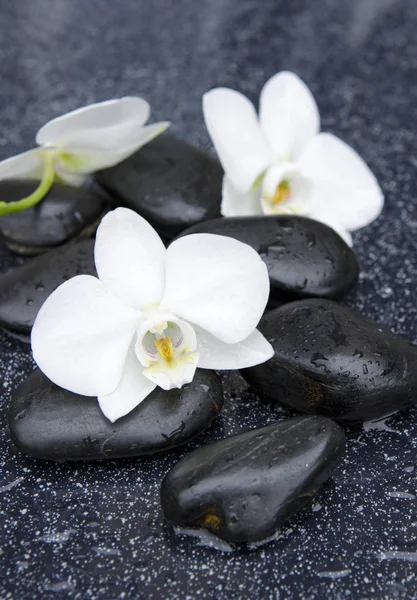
<point x="283" y="192"/>
<point x="165" y="349"/>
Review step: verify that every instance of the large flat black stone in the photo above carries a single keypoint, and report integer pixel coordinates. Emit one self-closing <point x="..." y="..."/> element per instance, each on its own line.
<point x="66" y="212"/>
<point x="172" y="184"/>
<point x="245" y="487"/>
<point x="24" y="289"/>
<point x="330" y="360"/>
<point x="55" y="424"/>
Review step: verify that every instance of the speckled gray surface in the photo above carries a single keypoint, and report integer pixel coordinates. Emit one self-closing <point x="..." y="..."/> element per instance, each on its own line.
<point x="96" y="531"/>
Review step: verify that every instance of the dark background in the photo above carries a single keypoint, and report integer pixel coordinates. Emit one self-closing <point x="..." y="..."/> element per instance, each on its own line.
<point x="96" y="530"/>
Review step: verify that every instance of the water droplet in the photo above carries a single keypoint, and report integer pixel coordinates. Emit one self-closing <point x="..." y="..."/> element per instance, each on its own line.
<point x="404" y="495"/>
<point x="318" y="359"/>
<point x="386" y="292"/>
<point x="334" y="574"/>
<point x="311" y="240"/>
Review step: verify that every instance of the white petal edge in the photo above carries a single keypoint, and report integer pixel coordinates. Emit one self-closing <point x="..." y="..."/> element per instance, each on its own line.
<point x="233" y="126"/>
<point x="217" y="283"/>
<point x="28" y="165"/>
<point x="214" y="354"/>
<point x="288" y="114"/>
<point x="93" y="119"/>
<point x="71" y="178"/>
<point x="103" y="151"/>
<point x="133" y="388"/>
<point x="81" y="336"/>
<point x="238" y="204"/>
<point x="343" y="187"/>
<point x="130" y="258"/>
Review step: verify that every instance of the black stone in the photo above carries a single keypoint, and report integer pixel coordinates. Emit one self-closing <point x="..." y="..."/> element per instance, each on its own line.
<point x="245" y="487"/>
<point x="305" y="258"/>
<point x="330" y="360"/>
<point x="171" y="184"/>
<point x="51" y="423"/>
<point x="65" y="213"/>
<point x="23" y="290"/>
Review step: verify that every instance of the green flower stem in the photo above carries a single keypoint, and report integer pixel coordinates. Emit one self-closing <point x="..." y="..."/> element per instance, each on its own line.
<point x="39" y="194"/>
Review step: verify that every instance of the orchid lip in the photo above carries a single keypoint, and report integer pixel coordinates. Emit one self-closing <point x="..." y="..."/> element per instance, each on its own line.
<point x="166" y="349"/>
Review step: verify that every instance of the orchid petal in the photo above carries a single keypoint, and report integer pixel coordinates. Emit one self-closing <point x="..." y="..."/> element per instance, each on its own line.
<point x="84" y="156"/>
<point x="233" y="125"/>
<point x="237" y="204"/>
<point x="133" y="388"/>
<point x="214" y="354"/>
<point x="81" y="337"/>
<point x="28" y="165"/>
<point x="288" y="114"/>
<point x="217" y="283"/>
<point x="71" y="178"/>
<point x="343" y="187"/>
<point x="130" y="258"/>
<point x="105" y="122"/>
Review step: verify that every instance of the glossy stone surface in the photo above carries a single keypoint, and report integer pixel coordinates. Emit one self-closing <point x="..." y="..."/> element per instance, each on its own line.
<point x="305" y="258"/>
<point x="169" y="182"/>
<point x="245" y="487"/>
<point x="65" y="213"/>
<point x="97" y="528"/>
<point x="55" y="424"/>
<point x="330" y="360"/>
<point x="23" y="290"/>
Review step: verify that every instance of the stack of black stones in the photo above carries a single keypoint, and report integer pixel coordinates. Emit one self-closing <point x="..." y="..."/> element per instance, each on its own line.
<point x="330" y="364"/>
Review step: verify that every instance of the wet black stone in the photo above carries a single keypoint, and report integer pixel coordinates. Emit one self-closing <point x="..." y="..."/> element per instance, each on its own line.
<point x="245" y="487"/>
<point x="171" y="184"/>
<point x="305" y="258"/>
<point x="51" y="423"/>
<point x="65" y="213"/>
<point x="330" y="360"/>
<point x="23" y="290"/>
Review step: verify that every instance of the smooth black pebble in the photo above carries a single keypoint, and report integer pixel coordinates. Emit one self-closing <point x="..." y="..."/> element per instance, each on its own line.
<point x="65" y="213"/>
<point x="23" y="290"/>
<point x="171" y="184"/>
<point x="305" y="258"/>
<point x="245" y="487"/>
<point x="55" y="424"/>
<point x="330" y="360"/>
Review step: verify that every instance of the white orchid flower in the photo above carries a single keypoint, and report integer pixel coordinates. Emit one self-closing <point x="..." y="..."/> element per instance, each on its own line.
<point x="78" y="143"/>
<point x="280" y="163"/>
<point x="153" y="315"/>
